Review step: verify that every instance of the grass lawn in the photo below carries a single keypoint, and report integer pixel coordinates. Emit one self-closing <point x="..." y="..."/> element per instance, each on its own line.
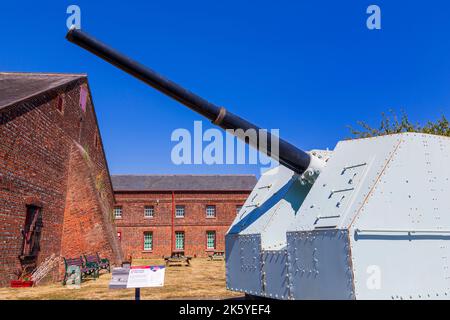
<point x="204" y="279"/>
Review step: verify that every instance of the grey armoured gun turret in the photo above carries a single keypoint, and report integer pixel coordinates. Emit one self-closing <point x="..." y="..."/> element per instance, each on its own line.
<point x="353" y="223"/>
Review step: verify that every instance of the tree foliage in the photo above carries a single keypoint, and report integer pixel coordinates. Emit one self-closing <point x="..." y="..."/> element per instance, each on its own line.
<point x="391" y="123"/>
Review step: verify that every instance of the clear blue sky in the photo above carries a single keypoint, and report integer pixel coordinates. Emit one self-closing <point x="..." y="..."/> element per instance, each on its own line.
<point x="309" y="68"/>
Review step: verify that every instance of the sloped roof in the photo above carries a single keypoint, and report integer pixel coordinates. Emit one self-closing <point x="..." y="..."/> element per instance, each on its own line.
<point x="183" y="182"/>
<point x="16" y="87"/>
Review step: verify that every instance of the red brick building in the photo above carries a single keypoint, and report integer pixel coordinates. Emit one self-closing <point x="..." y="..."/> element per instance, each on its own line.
<point x="56" y="193"/>
<point x="55" y="190"/>
<point x="159" y="214"/>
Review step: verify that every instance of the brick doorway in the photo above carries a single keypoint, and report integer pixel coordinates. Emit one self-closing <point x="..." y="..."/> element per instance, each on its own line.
<point x="31" y="236"/>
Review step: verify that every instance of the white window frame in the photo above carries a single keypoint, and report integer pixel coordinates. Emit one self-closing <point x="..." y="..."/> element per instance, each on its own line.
<point x="207" y="238"/>
<point x="116" y="210"/>
<point x="208" y="215"/>
<point x="149" y="209"/>
<point x="151" y="240"/>
<point x="176" y="211"/>
<point x="183" y="237"/>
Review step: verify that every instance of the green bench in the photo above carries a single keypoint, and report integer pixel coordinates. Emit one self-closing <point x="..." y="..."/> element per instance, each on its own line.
<point x="102" y="264"/>
<point x="87" y="269"/>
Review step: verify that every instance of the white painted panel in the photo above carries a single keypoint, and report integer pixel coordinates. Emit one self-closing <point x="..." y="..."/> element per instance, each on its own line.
<point x="275" y="274"/>
<point x="243" y="263"/>
<point x="404" y="226"/>
<point x="344" y="183"/>
<point x="399" y="266"/>
<point x="319" y="265"/>
<point x="269" y="184"/>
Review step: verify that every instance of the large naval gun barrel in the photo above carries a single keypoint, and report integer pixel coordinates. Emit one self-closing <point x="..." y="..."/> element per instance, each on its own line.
<point x="288" y="155"/>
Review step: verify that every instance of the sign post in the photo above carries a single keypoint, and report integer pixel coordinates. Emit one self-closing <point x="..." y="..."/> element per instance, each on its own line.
<point x="137" y="277"/>
<point x="137" y="294"/>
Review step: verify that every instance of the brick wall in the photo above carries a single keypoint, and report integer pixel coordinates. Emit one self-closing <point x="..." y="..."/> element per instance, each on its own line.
<point x="195" y="224"/>
<point x="39" y="153"/>
<point x="87" y="217"/>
